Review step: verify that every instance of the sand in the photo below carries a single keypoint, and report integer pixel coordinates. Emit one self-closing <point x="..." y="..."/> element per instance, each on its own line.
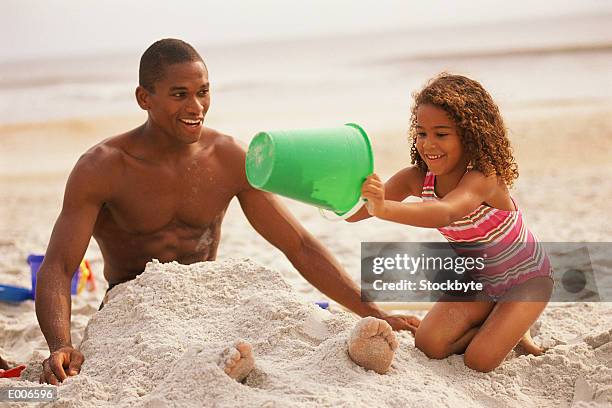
<point x="300" y="350"/>
<point x="158" y="340"/>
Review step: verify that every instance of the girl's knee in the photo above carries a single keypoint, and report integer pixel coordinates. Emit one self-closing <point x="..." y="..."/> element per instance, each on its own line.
<point x="433" y="346"/>
<point x="478" y="361"/>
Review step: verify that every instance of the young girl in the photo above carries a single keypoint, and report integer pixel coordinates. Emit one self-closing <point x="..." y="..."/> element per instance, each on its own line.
<point x="463" y="167"/>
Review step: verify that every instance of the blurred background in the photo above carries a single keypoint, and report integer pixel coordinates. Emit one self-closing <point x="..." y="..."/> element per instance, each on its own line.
<point x="276" y="64"/>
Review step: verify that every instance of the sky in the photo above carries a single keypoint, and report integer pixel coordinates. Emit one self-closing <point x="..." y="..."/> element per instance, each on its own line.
<point x="30" y="28"/>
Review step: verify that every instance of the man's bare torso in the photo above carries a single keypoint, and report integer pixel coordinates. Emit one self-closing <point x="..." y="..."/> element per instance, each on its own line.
<point x="169" y="210"/>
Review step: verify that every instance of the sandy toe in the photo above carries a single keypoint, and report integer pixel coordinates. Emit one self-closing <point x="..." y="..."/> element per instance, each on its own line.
<point x="237" y="360"/>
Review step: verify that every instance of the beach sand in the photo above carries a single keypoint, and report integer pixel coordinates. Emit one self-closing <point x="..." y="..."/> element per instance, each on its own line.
<point x="159" y="339"/>
<point x="170" y="341"/>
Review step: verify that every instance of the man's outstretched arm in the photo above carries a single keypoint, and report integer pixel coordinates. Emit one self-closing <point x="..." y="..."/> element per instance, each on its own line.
<point x="314" y="262"/>
<point x="69" y="239"/>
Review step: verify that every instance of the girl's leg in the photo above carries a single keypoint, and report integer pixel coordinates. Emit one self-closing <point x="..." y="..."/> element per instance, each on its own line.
<point x="507" y="324"/>
<point x="529" y="345"/>
<point x="449" y="326"/>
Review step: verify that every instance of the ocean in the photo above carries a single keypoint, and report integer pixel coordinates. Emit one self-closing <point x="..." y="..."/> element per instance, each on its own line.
<point x="366" y="78"/>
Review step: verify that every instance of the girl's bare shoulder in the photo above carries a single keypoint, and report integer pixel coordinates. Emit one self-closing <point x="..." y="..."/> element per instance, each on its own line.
<point x="407" y="181"/>
<point x="492" y="187"/>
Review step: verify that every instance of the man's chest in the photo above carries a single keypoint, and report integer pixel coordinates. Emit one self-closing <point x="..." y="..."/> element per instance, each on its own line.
<point x="148" y="201"/>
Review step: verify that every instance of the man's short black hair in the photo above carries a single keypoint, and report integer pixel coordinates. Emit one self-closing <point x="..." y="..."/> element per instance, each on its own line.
<point x="160" y="54"/>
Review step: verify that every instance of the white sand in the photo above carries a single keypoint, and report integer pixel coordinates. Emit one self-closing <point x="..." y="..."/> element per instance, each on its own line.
<point x="158" y="340"/>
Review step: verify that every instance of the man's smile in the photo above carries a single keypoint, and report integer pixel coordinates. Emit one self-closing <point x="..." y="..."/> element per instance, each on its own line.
<point x="192" y="122"/>
<point x="192" y="125"/>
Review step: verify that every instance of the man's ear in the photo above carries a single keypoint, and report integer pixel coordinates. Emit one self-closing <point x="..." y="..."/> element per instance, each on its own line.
<point x="142" y="97"/>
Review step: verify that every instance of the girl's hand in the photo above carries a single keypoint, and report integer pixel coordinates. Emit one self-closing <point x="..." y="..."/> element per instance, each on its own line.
<point x="373" y="190"/>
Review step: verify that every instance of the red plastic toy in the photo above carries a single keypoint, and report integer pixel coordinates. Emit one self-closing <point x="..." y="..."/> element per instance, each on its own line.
<point x="13" y="372"/>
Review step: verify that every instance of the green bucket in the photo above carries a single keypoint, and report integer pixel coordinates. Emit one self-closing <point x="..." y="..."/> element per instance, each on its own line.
<point x="323" y="167"/>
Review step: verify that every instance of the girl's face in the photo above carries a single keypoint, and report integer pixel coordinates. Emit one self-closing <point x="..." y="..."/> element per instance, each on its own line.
<point x="438" y="141"/>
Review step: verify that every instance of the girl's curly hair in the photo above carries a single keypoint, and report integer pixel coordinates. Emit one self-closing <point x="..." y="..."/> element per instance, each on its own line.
<point x="477" y="117"/>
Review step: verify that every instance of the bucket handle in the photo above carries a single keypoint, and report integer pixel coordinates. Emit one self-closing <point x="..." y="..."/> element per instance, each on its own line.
<point x="332" y="216"/>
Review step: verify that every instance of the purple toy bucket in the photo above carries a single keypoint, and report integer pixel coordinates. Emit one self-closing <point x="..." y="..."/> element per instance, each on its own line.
<point x="36" y="260"/>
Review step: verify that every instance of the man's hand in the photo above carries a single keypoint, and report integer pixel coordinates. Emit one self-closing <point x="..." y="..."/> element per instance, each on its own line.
<point x="3" y="364"/>
<point x="64" y="358"/>
<point x="403" y="322"/>
<point x="373" y="190"/>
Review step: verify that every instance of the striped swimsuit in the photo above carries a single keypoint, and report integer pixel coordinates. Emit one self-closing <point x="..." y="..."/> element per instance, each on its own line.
<point x="511" y="253"/>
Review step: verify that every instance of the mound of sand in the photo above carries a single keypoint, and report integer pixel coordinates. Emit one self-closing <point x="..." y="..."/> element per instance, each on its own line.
<point x="158" y="340"/>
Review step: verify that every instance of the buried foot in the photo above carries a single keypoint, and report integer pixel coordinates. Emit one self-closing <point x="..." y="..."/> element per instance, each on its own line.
<point x="529" y="346"/>
<point x="372" y="344"/>
<point x="237" y="360"/>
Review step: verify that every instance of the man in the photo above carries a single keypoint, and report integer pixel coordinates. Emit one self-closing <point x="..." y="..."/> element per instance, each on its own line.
<point x="161" y="191"/>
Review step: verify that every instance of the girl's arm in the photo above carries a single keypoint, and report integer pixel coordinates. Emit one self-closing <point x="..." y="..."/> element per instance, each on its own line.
<point x="473" y="189"/>
<point x="404" y="183"/>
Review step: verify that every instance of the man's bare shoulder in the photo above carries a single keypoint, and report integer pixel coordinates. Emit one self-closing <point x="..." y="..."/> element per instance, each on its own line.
<point x="231" y="153"/>
<point x="108" y="155"/>
<point x="101" y="166"/>
<point x="224" y="144"/>
<point x="228" y="149"/>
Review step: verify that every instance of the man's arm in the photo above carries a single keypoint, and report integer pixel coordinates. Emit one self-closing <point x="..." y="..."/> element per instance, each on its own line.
<point x="314" y="262"/>
<point x="84" y="195"/>
<point x="273" y="222"/>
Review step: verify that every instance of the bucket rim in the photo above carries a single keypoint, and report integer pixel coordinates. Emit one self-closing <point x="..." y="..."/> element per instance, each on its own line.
<point x="366" y="138"/>
<point x="368" y="143"/>
<point x="247" y="168"/>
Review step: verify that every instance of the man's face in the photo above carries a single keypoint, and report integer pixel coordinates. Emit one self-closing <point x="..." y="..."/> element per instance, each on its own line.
<point x="180" y="101"/>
